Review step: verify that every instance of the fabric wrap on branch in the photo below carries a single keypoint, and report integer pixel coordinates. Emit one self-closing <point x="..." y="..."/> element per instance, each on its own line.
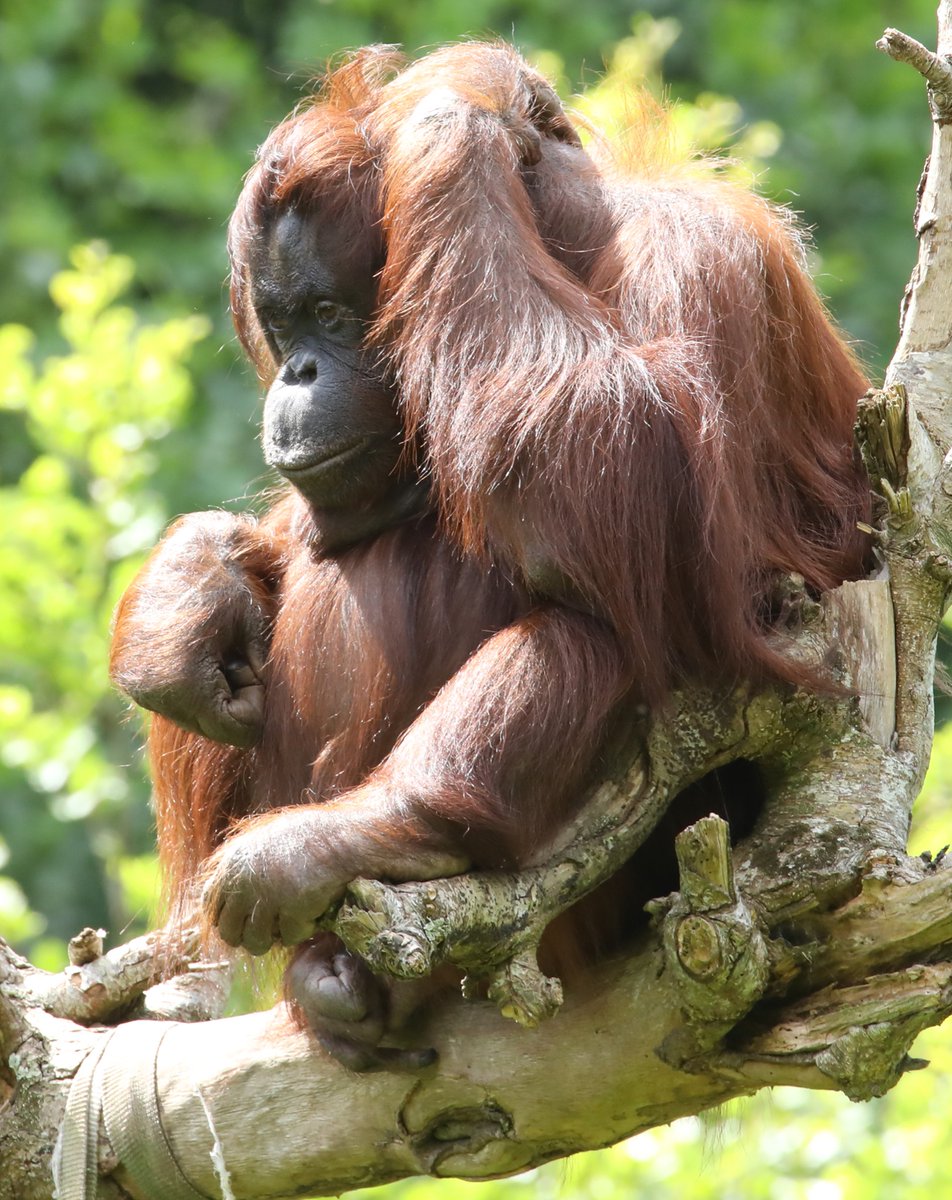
<point x="118" y="1081"/>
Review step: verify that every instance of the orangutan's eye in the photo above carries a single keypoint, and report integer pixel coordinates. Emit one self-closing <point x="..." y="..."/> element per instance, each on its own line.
<point x="331" y="315"/>
<point x="275" y="323"/>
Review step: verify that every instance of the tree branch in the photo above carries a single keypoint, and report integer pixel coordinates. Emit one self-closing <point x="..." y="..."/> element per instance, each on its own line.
<point x="125" y="982"/>
<point x="934" y="68"/>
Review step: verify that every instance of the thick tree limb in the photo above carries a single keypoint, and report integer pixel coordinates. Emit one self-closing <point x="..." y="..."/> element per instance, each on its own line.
<point x="489" y="1108"/>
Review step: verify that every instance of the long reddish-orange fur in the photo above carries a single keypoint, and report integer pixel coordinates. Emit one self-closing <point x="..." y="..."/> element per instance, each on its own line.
<point x="626" y="378"/>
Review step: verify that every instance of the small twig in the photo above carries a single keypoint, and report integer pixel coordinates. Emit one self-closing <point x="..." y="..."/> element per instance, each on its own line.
<point x="936" y="69"/>
<point x="103" y="985"/>
<point x="85" y="947"/>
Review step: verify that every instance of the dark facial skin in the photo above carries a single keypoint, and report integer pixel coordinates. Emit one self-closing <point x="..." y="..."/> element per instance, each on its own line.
<point x="331" y="425"/>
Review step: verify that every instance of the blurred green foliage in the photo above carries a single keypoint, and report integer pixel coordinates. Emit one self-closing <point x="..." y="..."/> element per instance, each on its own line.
<point x="132" y="121"/>
<point x="71" y="527"/>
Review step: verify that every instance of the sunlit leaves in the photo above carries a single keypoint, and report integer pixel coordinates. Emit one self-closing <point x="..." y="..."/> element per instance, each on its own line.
<point x="84" y="504"/>
<point x="630" y="89"/>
